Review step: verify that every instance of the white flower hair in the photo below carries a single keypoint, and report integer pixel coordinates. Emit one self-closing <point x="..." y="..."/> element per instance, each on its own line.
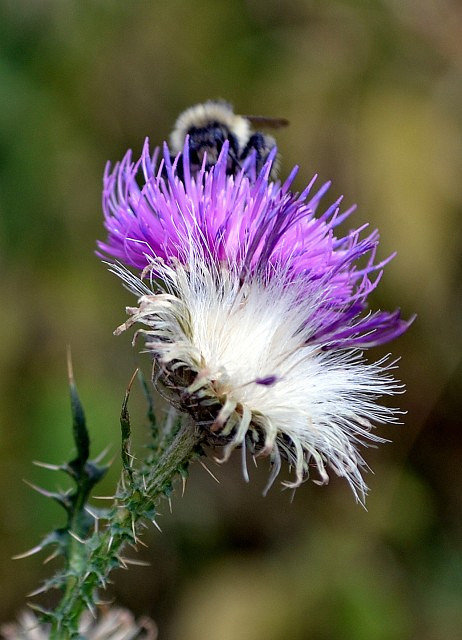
<point x="237" y="356"/>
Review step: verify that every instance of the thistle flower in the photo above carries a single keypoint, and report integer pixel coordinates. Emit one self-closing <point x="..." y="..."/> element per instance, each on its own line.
<point x="255" y="312"/>
<point x="114" y="623"/>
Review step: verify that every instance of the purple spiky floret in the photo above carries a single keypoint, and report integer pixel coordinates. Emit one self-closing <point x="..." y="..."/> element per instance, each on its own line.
<point x="254" y="225"/>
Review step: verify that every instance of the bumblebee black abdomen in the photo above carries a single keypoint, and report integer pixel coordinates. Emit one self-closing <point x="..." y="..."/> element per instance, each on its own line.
<point x="209" y="141"/>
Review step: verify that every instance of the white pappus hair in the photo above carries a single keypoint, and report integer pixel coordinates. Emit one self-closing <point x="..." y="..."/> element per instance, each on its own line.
<point x="247" y="346"/>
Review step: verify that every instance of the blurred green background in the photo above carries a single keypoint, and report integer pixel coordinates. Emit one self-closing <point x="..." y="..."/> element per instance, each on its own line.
<point x="373" y="91"/>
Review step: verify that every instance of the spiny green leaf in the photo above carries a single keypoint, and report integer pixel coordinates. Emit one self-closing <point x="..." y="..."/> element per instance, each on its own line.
<point x="125" y="428"/>
<point x="80" y="431"/>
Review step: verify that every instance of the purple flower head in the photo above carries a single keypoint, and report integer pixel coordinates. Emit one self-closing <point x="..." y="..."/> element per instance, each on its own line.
<point x="255" y="226"/>
<point x="255" y="307"/>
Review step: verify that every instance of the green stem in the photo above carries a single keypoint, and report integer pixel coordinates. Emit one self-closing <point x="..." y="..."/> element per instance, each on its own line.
<point x="90" y="564"/>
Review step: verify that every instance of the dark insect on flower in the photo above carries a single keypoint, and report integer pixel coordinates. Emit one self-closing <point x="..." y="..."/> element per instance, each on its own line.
<point x="210" y="124"/>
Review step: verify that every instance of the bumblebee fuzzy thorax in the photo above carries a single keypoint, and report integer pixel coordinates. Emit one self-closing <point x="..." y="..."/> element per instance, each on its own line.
<point x="203" y="116"/>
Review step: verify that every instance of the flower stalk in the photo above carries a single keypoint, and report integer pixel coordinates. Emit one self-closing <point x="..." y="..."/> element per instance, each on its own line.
<point x="132" y="506"/>
<point x="93" y="540"/>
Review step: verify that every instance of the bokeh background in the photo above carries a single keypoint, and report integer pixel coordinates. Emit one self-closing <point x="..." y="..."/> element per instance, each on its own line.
<point x="373" y="91"/>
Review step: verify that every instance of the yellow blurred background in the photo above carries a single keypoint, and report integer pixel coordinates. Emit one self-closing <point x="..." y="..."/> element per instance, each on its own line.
<point x="373" y="92"/>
